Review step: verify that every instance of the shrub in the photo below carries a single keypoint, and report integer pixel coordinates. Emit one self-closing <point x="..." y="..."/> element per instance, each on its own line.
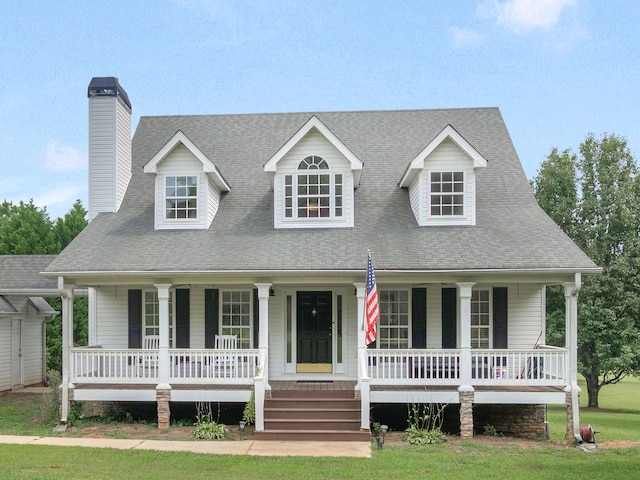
<point x="425" y="424"/>
<point x="206" y="427"/>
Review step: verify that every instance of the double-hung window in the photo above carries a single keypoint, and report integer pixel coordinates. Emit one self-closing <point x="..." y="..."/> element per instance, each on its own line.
<point x="393" y="325"/>
<point x="480" y="319"/>
<point x="181" y="197"/>
<point x="236" y="316"/>
<point x="314" y="191"/>
<point x="151" y="315"/>
<point x="447" y="194"/>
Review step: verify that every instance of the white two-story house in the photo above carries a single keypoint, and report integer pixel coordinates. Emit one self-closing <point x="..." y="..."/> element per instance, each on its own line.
<point x="227" y="253"/>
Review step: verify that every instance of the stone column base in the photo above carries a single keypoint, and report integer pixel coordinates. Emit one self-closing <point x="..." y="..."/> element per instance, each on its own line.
<point x="164" y="413"/>
<point x="571" y="439"/>
<point x="466" y="414"/>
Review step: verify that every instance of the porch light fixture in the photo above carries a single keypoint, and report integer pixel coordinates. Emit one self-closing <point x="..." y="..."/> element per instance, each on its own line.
<point x="272" y="292"/>
<point x="242" y="425"/>
<point x="314" y="311"/>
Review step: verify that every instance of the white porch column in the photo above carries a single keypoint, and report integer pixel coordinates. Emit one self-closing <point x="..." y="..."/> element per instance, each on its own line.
<point x="360" y="296"/>
<point x="263" y="332"/>
<point x="571" y="291"/>
<point x="66" y="292"/>
<point x="464" y="302"/>
<point x="363" y="384"/>
<point x="163" y="355"/>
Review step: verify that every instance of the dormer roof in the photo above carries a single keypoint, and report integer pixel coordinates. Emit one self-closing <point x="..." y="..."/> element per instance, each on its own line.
<point x="314" y="123"/>
<point x="448" y="132"/>
<point x="179" y="138"/>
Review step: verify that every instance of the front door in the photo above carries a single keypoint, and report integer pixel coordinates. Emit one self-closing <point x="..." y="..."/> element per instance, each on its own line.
<point x="314" y="320"/>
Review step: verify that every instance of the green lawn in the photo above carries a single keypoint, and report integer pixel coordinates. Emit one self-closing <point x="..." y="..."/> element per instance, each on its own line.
<point x="619" y="419"/>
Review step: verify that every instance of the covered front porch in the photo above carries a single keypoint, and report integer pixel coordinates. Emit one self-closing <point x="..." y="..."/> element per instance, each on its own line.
<point x="425" y="374"/>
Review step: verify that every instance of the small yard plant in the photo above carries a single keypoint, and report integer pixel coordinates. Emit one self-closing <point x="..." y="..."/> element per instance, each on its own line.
<point x="425" y="424"/>
<point x="249" y="412"/>
<point x="490" y="431"/>
<point x="206" y="427"/>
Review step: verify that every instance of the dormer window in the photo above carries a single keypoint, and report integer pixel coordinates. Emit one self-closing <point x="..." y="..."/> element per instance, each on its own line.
<point x="181" y="197"/>
<point x="314" y="176"/>
<point x="447" y="193"/>
<point x="317" y="192"/>
<point x="441" y="180"/>
<point x="188" y="188"/>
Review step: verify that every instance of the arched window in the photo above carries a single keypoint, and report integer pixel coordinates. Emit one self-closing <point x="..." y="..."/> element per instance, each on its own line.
<point x="313" y="192"/>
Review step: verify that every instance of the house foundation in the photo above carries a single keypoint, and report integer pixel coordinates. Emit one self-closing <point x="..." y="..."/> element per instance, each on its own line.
<point x="514" y="420"/>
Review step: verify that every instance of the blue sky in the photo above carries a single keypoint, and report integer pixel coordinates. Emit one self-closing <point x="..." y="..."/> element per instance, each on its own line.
<point x="557" y="69"/>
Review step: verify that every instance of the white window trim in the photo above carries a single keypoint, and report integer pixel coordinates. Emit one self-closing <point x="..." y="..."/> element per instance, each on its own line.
<point x="409" y="325"/>
<point x="490" y="313"/>
<point x="172" y="314"/>
<point x="294" y="197"/>
<point x="198" y="199"/>
<point x="221" y="325"/>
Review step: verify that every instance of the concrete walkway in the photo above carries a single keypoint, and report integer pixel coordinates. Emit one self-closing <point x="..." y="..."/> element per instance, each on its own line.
<point x="243" y="447"/>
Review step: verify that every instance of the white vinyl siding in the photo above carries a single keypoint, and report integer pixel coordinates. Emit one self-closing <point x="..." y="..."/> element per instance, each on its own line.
<point x="313" y="144"/>
<point x="32" y="349"/>
<point x="5" y="353"/>
<point x="109" y="152"/>
<point x="182" y="163"/>
<point x="277" y="333"/>
<point x="525" y="321"/>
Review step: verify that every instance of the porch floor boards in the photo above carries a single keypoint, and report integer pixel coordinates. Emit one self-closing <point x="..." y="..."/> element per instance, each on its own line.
<point x="313" y="385"/>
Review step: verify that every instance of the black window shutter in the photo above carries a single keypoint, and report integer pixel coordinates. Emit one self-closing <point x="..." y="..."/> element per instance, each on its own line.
<point x="182" y="318"/>
<point x="449" y="317"/>
<point x="500" y="317"/>
<point x="211" y="301"/>
<point x="419" y="317"/>
<point x="256" y="318"/>
<point x="135" y="318"/>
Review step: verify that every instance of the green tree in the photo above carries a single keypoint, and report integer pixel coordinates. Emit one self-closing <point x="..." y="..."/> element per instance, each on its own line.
<point x="594" y="198"/>
<point x="25" y="230"/>
<point x="67" y="228"/>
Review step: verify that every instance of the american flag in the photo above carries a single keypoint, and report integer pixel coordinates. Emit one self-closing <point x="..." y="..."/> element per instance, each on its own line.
<point x="372" y="310"/>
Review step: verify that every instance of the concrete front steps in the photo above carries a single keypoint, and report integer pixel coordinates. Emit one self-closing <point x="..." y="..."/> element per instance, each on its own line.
<point x="327" y="415"/>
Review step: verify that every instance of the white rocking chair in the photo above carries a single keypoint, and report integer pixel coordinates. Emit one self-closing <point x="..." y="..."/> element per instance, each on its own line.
<point x="150" y="358"/>
<point x="225" y="363"/>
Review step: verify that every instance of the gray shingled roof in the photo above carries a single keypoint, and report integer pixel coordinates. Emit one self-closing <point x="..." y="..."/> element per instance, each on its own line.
<point x="22" y="272"/>
<point x="512" y="232"/>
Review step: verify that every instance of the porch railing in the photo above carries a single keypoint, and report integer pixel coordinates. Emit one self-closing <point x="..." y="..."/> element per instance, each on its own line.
<point x="536" y="367"/>
<point x="136" y="366"/>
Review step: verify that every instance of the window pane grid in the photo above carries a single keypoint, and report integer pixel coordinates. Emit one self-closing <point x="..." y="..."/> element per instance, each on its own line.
<point x="181" y="197"/>
<point x="393" y="326"/>
<point x="236" y="316"/>
<point x="447" y="193"/>
<point x="313" y="192"/>
<point x="480" y="319"/>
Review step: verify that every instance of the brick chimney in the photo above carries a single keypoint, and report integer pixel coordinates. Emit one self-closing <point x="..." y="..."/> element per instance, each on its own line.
<point x="109" y="145"/>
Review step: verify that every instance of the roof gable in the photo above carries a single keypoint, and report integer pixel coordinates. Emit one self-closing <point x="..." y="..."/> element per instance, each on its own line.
<point x="448" y="132"/>
<point x="179" y="138"/>
<point x="315" y="123"/>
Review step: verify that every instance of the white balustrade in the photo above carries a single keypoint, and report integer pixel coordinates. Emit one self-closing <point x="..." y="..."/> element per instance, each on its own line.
<point x="536" y="367"/>
<point x="135" y="366"/>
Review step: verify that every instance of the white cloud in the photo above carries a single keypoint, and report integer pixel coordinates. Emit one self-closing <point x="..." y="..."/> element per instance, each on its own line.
<point x="464" y="37"/>
<point x="59" y="198"/>
<point x="62" y="158"/>
<point x="524" y="15"/>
